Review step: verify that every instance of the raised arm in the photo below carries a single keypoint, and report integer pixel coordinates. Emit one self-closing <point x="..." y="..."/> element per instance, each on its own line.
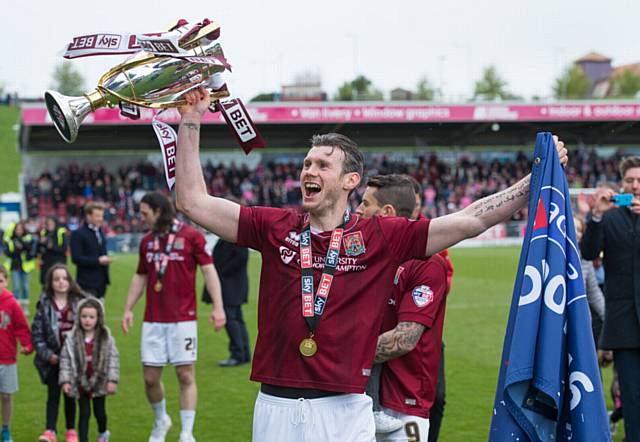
<point x="474" y="219"/>
<point x="215" y="214"/>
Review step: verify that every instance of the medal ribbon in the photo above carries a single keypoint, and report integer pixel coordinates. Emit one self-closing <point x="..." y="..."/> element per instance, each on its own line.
<point x="313" y="306"/>
<point x="161" y="259"/>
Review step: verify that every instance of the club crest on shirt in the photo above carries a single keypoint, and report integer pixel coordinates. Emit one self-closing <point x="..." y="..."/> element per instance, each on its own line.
<point x="396" y="278"/>
<point x="422" y="295"/>
<point x="354" y="244"/>
<point x="286" y="255"/>
<point x="179" y="244"/>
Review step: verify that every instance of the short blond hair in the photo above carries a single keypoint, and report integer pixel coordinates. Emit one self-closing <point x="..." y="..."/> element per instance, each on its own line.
<point x="93" y="205"/>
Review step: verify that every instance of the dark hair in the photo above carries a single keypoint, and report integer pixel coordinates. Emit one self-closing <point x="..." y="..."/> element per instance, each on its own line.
<point x="417" y="188"/>
<point x="396" y="190"/>
<point x="3" y="271"/>
<point x="74" y="289"/>
<point x="353" y="158"/>
<point x="15" y="227"/>
<point x="628" y="163"/>
<point x="158" y="201"/>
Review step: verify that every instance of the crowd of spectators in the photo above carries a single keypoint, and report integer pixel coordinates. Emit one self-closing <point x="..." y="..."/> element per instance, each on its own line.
<point x="448" y="184"/>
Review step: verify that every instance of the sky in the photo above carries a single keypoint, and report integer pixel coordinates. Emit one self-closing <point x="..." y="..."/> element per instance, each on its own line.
<point x="394" y="44"/>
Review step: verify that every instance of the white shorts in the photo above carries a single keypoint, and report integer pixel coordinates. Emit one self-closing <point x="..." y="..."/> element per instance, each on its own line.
<point x="342" y="418"/>
<point x="8" y="378"/>
<point x="415" y="428"/>
<point x="174" y="343"/>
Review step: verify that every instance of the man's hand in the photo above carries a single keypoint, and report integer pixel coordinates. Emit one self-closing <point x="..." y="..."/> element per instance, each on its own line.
<point x="26" y="351"/>
<point x="584" y="206"/>
<point x="66" y="387"/>
<point x="563" y="154"/>
<point x="601" y="201"/>
<point x="218" y="318"/>
<point x="104" y="260"/>
<point x="111" y="387"/>
<point x="54" y="359"/>
<point x="127" y="321"/>
<point x="198" y="101"/>
<point x="635" y="205"/>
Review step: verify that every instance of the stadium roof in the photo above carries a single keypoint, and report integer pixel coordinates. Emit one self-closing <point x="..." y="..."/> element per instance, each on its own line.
<point x="387" y="124"/>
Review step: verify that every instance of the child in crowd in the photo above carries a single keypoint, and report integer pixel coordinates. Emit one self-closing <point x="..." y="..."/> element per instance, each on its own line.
<point x="13" y="327"/>
<point x="54" y="319"/>
<point x="89" y="366"/>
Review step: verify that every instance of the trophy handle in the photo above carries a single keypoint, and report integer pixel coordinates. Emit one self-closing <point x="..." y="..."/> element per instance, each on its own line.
<point x="67" y="113"/>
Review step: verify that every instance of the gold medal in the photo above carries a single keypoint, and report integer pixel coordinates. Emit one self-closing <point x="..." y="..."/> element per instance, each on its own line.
<point x="308" y="347"/>
<point x="158" y="286"/>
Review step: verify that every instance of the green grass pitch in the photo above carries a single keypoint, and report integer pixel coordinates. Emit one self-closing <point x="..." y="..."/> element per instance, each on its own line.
<point x="474" y="331"/>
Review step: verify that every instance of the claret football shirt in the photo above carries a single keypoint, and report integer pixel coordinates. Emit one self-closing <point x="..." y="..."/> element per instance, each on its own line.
<point x="176" y="302"/>
<point x="408" y="383"/>
<point x="347" y="333"/>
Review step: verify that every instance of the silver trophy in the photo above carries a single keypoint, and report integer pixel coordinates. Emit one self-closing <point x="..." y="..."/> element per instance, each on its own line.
<point x="146" y="80"/>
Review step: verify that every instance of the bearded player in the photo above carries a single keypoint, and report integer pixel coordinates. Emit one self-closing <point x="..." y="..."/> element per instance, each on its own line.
<point x="169" y="255"/>
<point x="320" y="300"/>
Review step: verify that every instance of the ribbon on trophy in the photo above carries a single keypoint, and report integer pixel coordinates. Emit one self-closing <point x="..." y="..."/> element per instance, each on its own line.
<point x="173" y="43"/>
<point x="168" y="140"/>
<point x="162" y="67"/>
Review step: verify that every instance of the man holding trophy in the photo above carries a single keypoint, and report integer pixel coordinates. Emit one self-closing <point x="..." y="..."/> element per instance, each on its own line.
<point x="313" y="355"/>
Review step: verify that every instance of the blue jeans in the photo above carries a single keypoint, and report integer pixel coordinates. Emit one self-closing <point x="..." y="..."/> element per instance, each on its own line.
<point x="627" y="363"/>
<point x="20" y="284"/>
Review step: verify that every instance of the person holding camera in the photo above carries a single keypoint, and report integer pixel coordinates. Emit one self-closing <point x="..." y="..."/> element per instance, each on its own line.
<point x="613" y="227"/>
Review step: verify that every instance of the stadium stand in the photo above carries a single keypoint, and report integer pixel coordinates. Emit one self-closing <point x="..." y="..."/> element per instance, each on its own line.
<point x="450" y="182"/>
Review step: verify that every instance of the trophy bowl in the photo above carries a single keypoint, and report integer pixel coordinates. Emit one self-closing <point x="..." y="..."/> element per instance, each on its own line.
<point x="145" y="80"/>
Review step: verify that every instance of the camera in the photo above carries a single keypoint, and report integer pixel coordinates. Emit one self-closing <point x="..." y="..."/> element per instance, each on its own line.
<point x="622" y="199"/>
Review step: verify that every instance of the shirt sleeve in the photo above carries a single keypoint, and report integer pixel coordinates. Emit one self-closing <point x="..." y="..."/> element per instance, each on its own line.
<point x="406" y="239"/>
<point x="21" y="327"/>
<point x="255" y="223"/>
<point x="424" y="292"/>
<point x="142" y="259"/>
<point x="200" y="249"/>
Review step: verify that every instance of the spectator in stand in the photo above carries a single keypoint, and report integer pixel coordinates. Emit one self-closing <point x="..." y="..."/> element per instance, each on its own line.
<point x="89" y="252"/>
<point x="21" y="250"/>
<point x="53" y="246"/>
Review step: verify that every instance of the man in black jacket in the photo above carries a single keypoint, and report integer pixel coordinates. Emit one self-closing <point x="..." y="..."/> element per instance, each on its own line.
<point x="616" y="231"/>
<point x="53" y="246"/>
<point x="89" y="252"/>
<point x="231" y="265"/>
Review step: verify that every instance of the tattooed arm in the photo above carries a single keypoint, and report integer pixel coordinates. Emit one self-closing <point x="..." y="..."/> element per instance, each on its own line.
<point x="217" y="215"/>
<point x="398" y="342"/>
<point x="474" y="219"/>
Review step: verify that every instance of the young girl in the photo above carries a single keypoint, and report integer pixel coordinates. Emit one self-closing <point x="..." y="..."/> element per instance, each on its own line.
<point x="89" y="366"/>
<point x="54" y="319"/>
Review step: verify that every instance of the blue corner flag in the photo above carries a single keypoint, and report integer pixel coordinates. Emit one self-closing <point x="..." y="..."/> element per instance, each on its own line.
<point x="549" y="386"/>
